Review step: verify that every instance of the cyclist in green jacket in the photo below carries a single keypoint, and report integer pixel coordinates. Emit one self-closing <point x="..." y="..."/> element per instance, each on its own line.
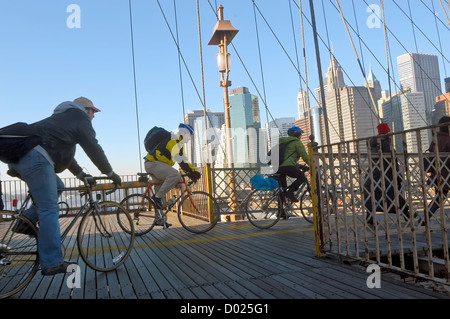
<point x="290" y="166"/>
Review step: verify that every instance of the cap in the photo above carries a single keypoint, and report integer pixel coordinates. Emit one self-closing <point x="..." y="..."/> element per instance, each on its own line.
<point x="295" y="129"/>
<point x="383" y="128"/>
<point x="86" y="103"/>
<point x="186" y="127"/>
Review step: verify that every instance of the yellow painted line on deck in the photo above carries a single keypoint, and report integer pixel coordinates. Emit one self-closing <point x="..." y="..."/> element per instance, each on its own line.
<point x="202" y="240"/>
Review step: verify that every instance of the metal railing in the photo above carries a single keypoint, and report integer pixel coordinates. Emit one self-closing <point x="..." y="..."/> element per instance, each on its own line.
<point x="380" y="196"/>
<point x="395" y="201"/>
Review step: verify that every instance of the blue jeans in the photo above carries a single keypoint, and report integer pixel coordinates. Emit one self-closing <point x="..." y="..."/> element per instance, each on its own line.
<point x="43" y="184"/>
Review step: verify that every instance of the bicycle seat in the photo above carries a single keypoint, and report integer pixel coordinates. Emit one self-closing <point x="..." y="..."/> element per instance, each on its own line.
<point x="143" y="177"/>
<point x="142" y="174"/>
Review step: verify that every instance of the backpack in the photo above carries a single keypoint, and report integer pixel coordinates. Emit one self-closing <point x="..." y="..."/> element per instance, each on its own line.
<point x="281" y="150"/>
<point x="16" y="140"/>
<point x="156" y="139"/>
<point x="260" y="183"/>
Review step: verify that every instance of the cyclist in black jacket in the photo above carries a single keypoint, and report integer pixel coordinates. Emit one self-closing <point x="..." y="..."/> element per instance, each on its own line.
<point x="69" y="125"/>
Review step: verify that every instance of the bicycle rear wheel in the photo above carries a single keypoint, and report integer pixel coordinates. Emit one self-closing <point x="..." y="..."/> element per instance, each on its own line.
<point x="198" y="212"/>
<point x="142" y="210"/>
<point x="102" y="242"/>
<point x="263" y="208"/>
<point x="19" y="260"/>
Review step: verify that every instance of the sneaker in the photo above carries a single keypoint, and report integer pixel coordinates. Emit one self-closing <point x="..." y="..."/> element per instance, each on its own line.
<point x="158" y="202"/>
<point x="161" y="223"/>
<point x="23" y="228"/>
<point x="61" y="269"/>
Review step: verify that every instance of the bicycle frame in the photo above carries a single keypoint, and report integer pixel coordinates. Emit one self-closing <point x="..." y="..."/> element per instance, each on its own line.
<point x="90" y="202"/>
<point x="149" y="190"/>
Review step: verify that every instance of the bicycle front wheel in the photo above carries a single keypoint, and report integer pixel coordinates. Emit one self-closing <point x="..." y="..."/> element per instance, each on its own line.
<point x="19" y="260"/>
<point x="142" y="210"/>
<point x="63" y="208"/>
<point x="198" y="212"/>
<point x="263" y="208"/>
<point x="102" y="242"/>
<point x="306" y="205"/>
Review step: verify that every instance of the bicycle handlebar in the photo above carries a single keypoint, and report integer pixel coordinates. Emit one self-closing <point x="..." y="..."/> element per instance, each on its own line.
<point x="303" y="167"/>
<point x="90" y="181"/>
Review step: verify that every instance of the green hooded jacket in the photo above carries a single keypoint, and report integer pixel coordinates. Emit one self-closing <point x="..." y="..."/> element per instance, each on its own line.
<point x="294" y="151"/>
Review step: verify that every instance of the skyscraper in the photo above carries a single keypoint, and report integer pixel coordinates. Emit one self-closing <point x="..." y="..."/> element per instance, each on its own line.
<point x="420" y="73"/>
<point x="246" y="124"/>
<point x="352" y="112"/>
<point x="196" y="119"/>
<point x="404" y="111"/>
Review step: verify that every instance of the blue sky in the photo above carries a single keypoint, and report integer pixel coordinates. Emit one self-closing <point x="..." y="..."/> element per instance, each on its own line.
<point x="43" y="62"/>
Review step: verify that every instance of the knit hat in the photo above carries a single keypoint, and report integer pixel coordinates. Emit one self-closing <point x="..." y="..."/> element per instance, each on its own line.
<point x="86" y="103"/>
<point x="383" y="128"/>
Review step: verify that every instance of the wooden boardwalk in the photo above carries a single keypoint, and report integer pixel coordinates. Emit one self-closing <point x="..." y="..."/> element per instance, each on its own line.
<point x="234" y="261"/>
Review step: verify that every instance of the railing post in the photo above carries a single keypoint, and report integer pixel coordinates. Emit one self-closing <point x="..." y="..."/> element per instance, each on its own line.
<point x="311" y="146"/>
<point x="209" y="190"/>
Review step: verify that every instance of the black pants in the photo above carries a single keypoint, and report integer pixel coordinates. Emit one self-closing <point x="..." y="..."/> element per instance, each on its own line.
<point x="294" y="172"/>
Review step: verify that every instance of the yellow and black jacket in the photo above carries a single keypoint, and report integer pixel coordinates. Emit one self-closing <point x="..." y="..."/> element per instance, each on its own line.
<point x="171" y="152"/>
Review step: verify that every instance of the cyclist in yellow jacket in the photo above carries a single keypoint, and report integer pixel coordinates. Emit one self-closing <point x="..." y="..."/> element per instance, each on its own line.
<point x="169" y="152"/>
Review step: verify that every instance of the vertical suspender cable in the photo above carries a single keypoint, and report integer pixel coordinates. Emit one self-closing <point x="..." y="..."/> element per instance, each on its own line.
<point x="179" y="58"/>
<point x="135" y="86"/>
<point x="388" y="64"/>
<point x="260" y="62"/>
<point x="439" y="38"/>
<point x="308" y="104"/>
<point x="203" y="77"/>
<point x="319" y="67"/>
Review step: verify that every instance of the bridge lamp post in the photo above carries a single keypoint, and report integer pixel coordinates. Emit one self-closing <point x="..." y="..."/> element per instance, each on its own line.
<point x="222" y="36"/>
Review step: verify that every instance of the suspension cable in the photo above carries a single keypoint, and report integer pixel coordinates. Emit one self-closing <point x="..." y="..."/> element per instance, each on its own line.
<point x="260" y="63"/>
<point x="357" y="57"/>
<point x="406" y="50"/>
<point x="308" y="104"/>
<point x="439" y="37"/>
<point x="135" y="85"/>
<point x="445" y="11"/>
<point x="179" y="58"/>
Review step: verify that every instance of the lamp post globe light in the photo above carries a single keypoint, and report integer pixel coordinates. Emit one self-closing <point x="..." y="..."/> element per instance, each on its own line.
<point x="222" y="36"/>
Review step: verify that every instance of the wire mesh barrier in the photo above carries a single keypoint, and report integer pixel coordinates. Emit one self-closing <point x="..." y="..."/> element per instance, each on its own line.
<point x="389" y="202"/>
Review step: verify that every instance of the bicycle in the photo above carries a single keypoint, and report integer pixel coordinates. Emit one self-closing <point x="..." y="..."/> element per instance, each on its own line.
<point x="264" y="208"/>
<point x="101" y="243"/>
<point x="198" y="211"/>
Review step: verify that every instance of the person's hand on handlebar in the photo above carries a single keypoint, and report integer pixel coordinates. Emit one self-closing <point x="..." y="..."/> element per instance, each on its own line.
<point x="303" y="167"/>
<point x="194" y="176"/>
<point x="116" y="179"/>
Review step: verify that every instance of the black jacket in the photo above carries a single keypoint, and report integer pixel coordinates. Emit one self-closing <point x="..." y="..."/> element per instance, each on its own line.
<point x="61" y="132"/>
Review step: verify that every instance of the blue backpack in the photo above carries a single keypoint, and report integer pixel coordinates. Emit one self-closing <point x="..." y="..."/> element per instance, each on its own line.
<point x="260" y="183"/>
